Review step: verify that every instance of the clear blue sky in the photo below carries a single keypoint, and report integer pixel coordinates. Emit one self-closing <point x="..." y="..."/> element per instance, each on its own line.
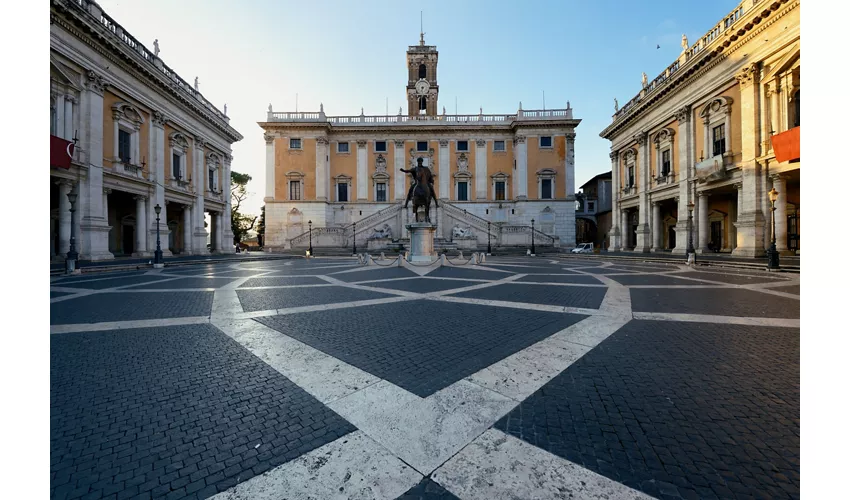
<point x="349" y="55"/>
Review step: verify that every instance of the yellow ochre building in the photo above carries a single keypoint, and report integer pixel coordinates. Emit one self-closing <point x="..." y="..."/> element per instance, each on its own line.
<point x="341" y="173"/>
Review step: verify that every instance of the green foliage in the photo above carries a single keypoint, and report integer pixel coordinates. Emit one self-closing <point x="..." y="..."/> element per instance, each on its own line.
<point x="261" y="227"/>
<point x="240" y="223"/>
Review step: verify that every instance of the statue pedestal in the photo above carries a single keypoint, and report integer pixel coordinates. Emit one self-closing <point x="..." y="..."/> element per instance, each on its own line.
<point x="422" y="242"/>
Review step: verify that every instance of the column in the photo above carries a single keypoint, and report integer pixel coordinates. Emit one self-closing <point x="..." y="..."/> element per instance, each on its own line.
<point x="362" y="173"/>
<point x="684" y="155"/>
<point x="480" y="169"/>
<point x="64" y="216"/>
<point x="157" y="151"/>
<point x="199" y="180"/>
<point x="773" y="92"/>
<point x="781" y="215"/>
<point x="739" y="198"/>
<point x="521" y="151"/>
<point x="569" y="166"/>
<point x="643" y="230"/>
<point x="270" y="181"/>
<point x="141" y="227"/>
<point x="657" y="240"/>
<point x="702" y="209"/>
<point x="187" y="230"/>
<point x="398" y="162"/>
<point x="92" y="239"/>
<point x="751" y="219"/>
<point x="219" y="233"/>
<point x="69" y="118"/>
<point x="321" y="168"/>
<point x="614" y="238"/>
<point x="444" y="170"/>
<point x="227" y="216"/>
<point x="625" y="231"/>
<point x="60" y="116"/>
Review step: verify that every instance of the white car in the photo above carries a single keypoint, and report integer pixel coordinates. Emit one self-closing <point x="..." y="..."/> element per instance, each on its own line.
<point x="583" y="248"/>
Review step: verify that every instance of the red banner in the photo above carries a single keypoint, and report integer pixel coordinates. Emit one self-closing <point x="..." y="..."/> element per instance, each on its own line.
<point x="786" y="146"/>
<point x="61" y="152"/>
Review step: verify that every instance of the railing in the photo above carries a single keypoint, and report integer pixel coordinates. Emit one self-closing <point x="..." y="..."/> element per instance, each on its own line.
<point x="665" y="179"/>
<point x="527" y="229"/>
<point x="629" y="190"/>
<point x="313" y="116"/>
<point x="368" y="220"/>
<point x="96" y="11"/>
<point x="713" y="34"/>
<point x="458" y="212"/>
<point x="305" y="236"/>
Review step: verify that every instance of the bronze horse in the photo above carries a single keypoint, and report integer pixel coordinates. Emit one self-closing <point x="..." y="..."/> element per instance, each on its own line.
<point x="422" y="190"/>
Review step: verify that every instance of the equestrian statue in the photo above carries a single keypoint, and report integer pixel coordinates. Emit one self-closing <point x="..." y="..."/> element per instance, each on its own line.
<point x="422" y="190"/>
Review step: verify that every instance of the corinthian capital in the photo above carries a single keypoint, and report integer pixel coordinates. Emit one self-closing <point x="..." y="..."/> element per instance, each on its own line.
<point x="322" y="140"/>
<point x="361" y="143"/>
<point x="268" y="137"/>
<point x="683" y="115"/>
<point x="614" y="155"/>
<point x="641" y="138"/>
<point x="95" y="82"/>
<point x="748" y="75"/>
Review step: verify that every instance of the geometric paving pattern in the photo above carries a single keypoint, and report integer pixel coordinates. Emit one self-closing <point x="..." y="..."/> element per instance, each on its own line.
<point x="521" y="377"/>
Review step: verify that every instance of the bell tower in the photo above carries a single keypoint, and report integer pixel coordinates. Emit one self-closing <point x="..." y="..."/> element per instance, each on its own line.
<point x="422" y="88"/>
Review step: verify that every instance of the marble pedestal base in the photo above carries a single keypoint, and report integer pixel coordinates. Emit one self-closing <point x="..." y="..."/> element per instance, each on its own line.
<point x="421" y="242"/>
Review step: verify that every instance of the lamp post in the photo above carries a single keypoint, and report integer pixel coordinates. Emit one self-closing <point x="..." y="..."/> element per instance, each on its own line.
<point x="691" y="231"/>
<point x="354" y="251"/>
<point x="71" y="258"/>
<point x="772" y="254"/>
<point x="310" y="250"/>
<point x="489" y="251"/>
<point x="532" y="238"/>
<point x="157" y="254"/>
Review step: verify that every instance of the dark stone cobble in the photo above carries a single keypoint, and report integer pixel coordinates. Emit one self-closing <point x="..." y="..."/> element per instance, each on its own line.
<point x="53" y="294"/>
<point x="468" y="273"/>
<point x="731" y="278"/>
<point x="553" y="295"/>
<point x="652" y="279"/>
<point x="557" y="277"/>
<point x="184" y="283"/>
<point x="129" y="306"/>
<point x="283" y="281"/>
<point x="111" y="282"/>
<point x="677" y="410"/>
<point x="714" y="301"/>
<point x="422" y="285"/>
<point x="795" y="289"/>
<point x="280" y="298"/>
<point x="422" y="346"/>
<point x="369" y="274"/>
<point x="427" y="490"/>
<point x="172" y="412"/>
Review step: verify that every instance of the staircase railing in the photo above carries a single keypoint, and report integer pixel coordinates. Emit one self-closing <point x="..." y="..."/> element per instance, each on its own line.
<point x="317" y="231"/>
<point x="366" y="221"/>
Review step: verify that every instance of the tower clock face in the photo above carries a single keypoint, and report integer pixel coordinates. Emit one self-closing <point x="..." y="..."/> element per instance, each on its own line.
<point x="422" y="87"/>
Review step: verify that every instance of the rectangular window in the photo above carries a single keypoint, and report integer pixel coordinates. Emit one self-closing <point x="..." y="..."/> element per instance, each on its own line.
<point x="546" y="189"/>
<point x="381" y="192"/>
<point x="498" y="145"/>
<point x="546" y="141"/>
<point x="463" y="145"/>
<point x="422" y="146"/>
<point x="380" y="146"/>
<point x="124" y="146"/>
<point x="591" y="206"/>
<point x="631" y="176"/>
<point x="342" y="147"/>
<point x="212" y="180"/>
<point x="294" y="143"/>
<point x="462" y="191"/>
<point x="500" y="190"/>
<point x="342" y="191"/>
<point x="294" y="190"/>
<point x="665" y="162"/>
<point x="52" y="120"/>
<point x="175" y="166"/>
<point x="718" y="134"/>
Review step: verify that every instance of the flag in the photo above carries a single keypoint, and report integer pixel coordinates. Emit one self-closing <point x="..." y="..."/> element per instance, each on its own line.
<point x="61" y="152"/>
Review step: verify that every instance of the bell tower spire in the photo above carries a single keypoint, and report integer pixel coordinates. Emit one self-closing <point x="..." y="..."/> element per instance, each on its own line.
<point x="422" y="89"/>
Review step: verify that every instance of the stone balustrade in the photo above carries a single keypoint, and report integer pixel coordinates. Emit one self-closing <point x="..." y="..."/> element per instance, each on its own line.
<point x="368" y="120"/>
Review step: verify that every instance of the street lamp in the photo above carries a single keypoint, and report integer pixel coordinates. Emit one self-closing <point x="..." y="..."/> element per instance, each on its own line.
<point x="71" y="258"/>
<point x="310" y="250"/>
<point x="489" y="251"/>
<point x="691" y="231"/>
<point x="354" y="251"/>
<point x="772" y="254"/>
<point x="157" y="254"/>
<point x="532" y="238"/>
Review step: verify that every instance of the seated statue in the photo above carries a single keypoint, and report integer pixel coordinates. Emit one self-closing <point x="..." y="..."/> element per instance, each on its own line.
<point x="384" y="232"/>
<point x="459" y="232"/>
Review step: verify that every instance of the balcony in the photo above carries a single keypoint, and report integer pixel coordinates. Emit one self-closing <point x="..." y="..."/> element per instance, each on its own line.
<point x="629" y="191"/>
<point x="714" y="168"/>
<point x="662" y="180"/>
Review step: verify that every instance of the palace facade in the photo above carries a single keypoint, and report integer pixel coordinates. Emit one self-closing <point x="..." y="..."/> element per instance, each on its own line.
<point x="340" y="174"/>
<point x="719" y="128"/>
<point x="128" y="134"/>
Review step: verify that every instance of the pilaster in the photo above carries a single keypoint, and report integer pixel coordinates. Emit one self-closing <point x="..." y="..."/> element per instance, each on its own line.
<point x="200" y="236"/>
<point x="569" y="166"/>
<point x="480" y="169"/>
<point x="643" y="229"/>
<point x="521" y="152"/>
<point x="444" y="169"/>
<point x="614" y="240"/>
<point x="322" y="171"/>
<point x="362" y="180"/>
<point x="398" y="162"/>
<point x="751" y="220"/>
<point x="94" y="229"/>
<point x="270" y="180"/>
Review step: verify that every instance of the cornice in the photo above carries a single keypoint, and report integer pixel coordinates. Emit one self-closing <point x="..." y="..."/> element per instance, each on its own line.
<point x="94" y="38"/>
<point x="710" y="60"/>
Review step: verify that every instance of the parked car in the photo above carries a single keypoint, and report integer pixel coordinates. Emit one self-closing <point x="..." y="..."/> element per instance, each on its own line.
<point x="583" y="248"/>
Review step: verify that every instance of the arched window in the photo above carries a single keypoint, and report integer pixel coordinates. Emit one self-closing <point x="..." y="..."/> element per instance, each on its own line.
<point x="422" y="103"/>
<point x="421" y="71"/>
<point x="797" y="108"/>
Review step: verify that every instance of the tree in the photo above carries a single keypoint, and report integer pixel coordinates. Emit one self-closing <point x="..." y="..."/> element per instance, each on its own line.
<point x="261" y="227"/>
<point x="240" y="223"/>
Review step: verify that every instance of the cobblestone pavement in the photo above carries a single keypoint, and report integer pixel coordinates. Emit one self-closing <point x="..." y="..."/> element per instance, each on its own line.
<point x="517" y="378"/>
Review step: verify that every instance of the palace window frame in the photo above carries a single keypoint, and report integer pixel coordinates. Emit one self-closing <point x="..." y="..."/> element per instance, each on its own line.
<point x="546" y="174"/>
<point x="292" y="178"/>
<point x="465" y="148"/>
<point x="213" y="169"/>
<point x="497" y="179"/>
<point x="340" y="181"/>
<point x="381" y="192"/>
<point x="664" y="145"/>
<point x="717" y="112"/>
<point x="548" y="139"/>
<point x="420" y="148"/>
<point x="127" y="118"/>
<point x="497" y="149"/>
<point x="340" y="145"/>
<point x="380" y="149"/>
<point x="295" y="143"/>
<point x="178" y="147"/>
